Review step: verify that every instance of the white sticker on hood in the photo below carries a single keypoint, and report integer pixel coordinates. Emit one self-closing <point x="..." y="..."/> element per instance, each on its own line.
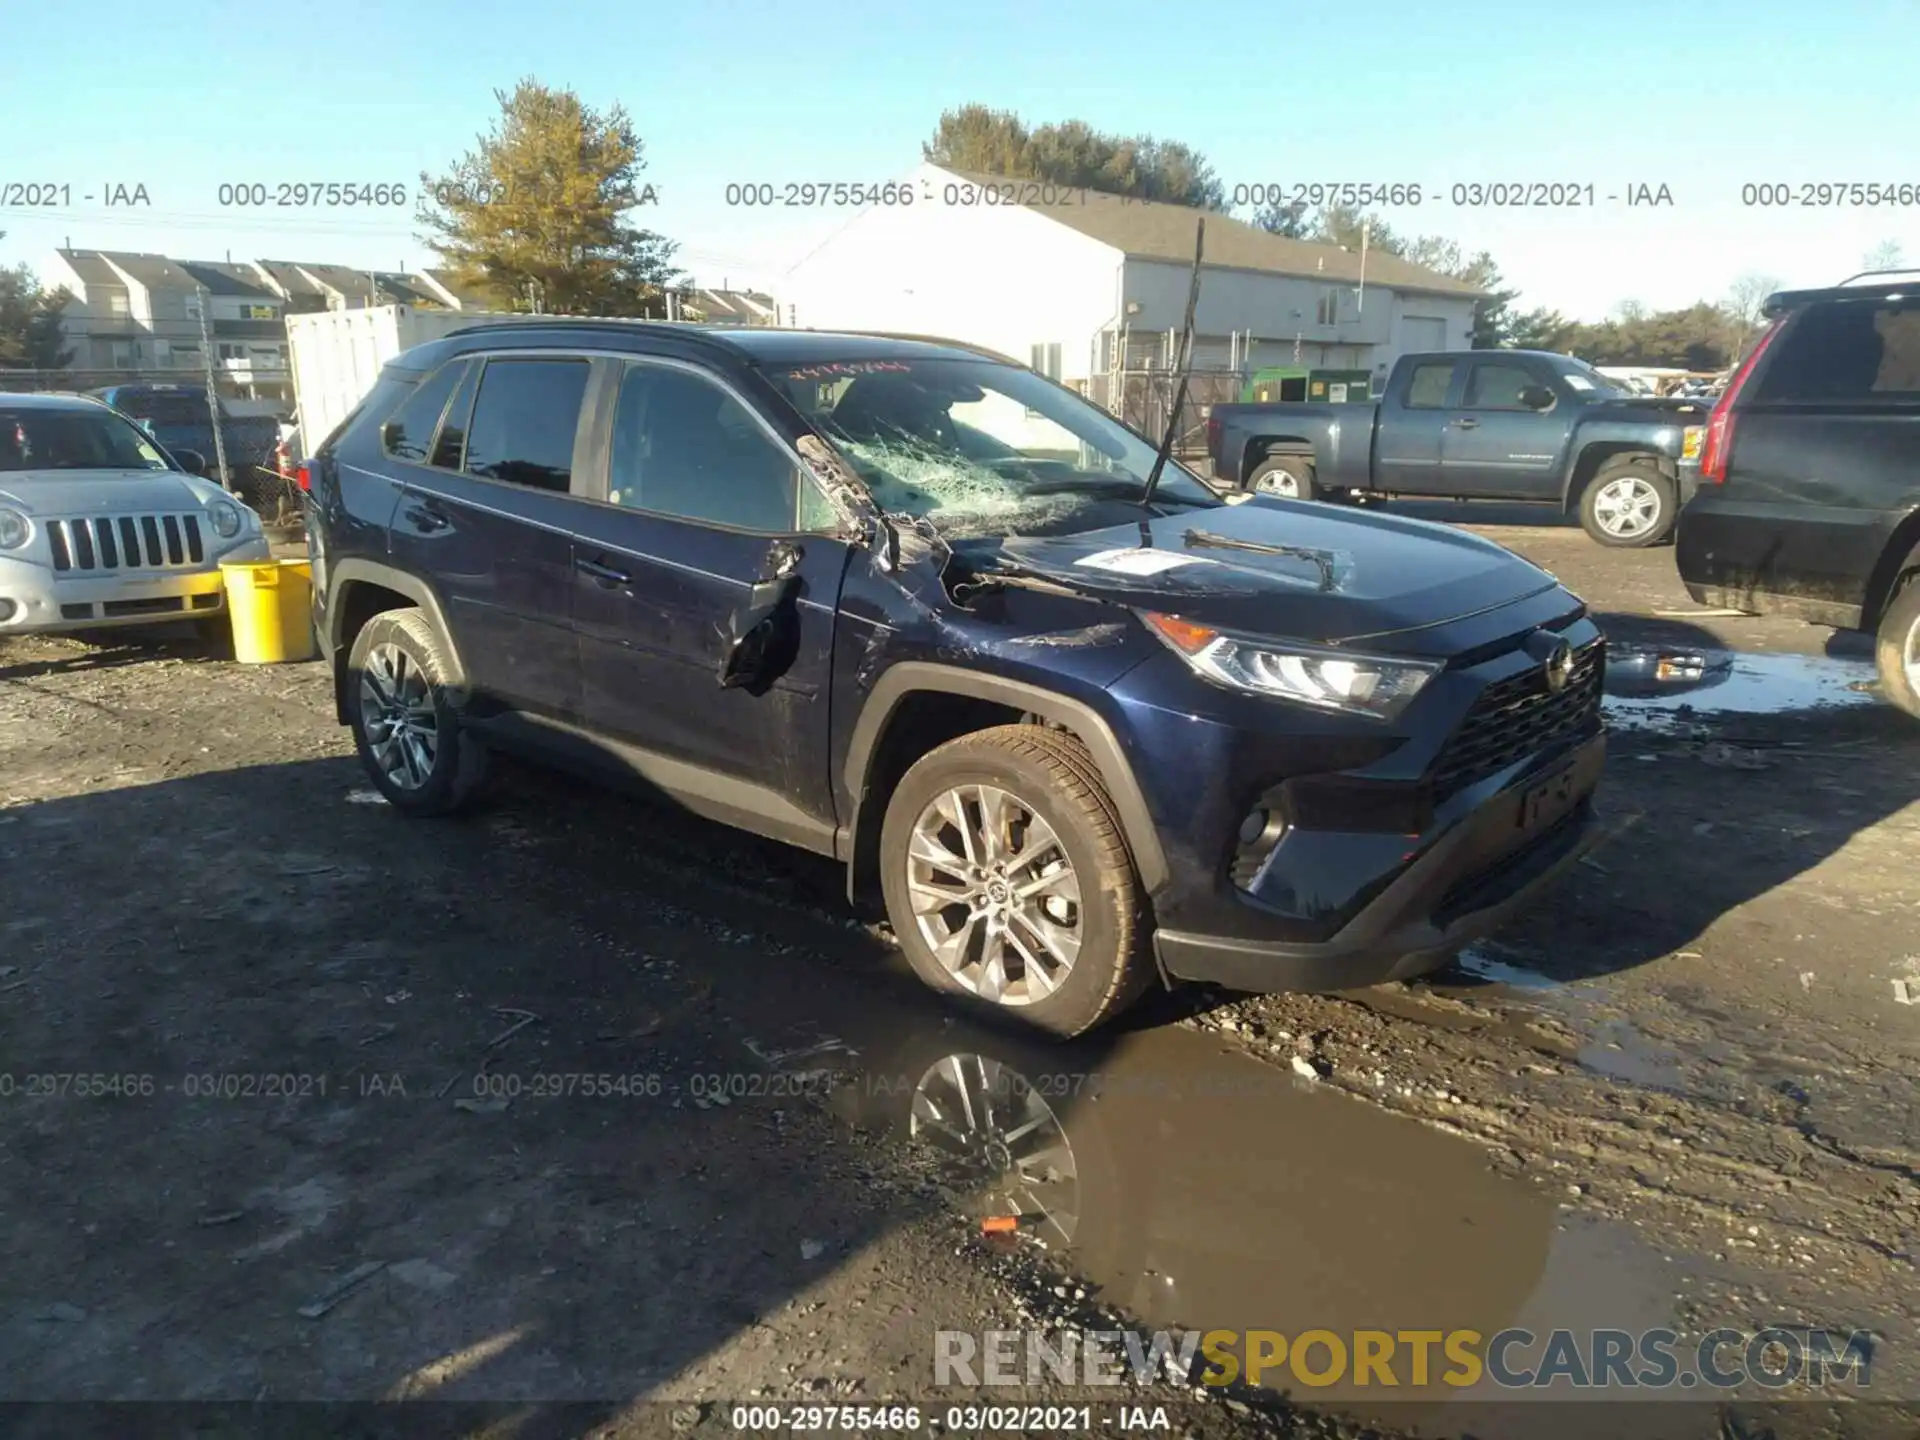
<point x="1578" y="382"/>
<point x="1136" y="561"/>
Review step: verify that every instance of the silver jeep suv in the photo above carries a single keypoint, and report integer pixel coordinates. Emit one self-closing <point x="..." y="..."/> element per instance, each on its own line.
<point x="99" y="526"/>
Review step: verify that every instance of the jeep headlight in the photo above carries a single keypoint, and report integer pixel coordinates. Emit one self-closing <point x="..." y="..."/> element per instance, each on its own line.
<point x="226" y="519"/>
<point x="15" y="530"/>
<point x="1313" y="675"/>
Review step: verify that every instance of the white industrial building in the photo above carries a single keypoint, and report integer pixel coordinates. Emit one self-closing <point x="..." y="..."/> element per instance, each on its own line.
<point x="1081" y="284"/>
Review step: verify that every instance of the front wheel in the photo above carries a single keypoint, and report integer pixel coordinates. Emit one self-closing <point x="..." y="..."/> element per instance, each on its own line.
<point x="404" y="724"/>
<point x="1629" y="505"/>
<point x="1897" y="648"/>
<point x="1008" y="881"/>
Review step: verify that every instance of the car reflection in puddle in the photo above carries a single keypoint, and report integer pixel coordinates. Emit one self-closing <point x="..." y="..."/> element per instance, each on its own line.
<point x="1197" y="1188"/>
<point x="1654" y="687"/>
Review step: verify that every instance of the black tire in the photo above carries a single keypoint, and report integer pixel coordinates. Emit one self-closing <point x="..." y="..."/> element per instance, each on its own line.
<point x="459" y="761"/>
<point x="1049" y="773"/>
<point x="1897" y="638"/>
<point x="1647" y="473"/>
<point x="1284" y="470"/>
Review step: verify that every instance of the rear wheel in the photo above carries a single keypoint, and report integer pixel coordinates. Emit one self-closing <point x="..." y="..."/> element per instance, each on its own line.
<point x="1287" y="477"/>
<point x="1897" y="648"/>
<point x="404" y="724"/>
<point x="1008" y="881"/>
<point x="1629" y="505"/>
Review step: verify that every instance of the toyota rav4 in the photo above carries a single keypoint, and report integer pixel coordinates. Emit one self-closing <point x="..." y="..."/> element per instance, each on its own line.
<point x="1073" y="720"/>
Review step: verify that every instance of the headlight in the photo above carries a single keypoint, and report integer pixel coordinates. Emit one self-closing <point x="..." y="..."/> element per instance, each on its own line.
<point x="1305" y="674"/>
<point x="226" y="519"/>
<point x="14" y="529"/>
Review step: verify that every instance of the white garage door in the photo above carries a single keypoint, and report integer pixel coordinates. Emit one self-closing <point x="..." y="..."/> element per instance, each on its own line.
<point x="1423" y="332"/>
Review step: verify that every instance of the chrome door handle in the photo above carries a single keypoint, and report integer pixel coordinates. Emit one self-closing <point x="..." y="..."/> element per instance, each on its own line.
<point x="605" y="574"/>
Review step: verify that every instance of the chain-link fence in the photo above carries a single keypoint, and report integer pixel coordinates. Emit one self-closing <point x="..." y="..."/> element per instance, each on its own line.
<point x="1144" y="399"/>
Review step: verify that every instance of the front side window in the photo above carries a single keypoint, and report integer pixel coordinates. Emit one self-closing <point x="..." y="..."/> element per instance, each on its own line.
<point x="408" y="434"/>
<point x="49" y="439"/>
<point x="1498" y="387"/>
<point x="979" y="447"/>
<point x="524" y="421"/>
<point x="683" y="446"/>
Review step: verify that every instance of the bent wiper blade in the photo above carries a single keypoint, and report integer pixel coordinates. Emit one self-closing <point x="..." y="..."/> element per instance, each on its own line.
<point x="1207" y="540"/>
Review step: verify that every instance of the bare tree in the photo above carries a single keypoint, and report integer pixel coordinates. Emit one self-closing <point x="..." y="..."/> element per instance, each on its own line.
<point x="1887" y="255"/>
<point x="1744" y="298"/>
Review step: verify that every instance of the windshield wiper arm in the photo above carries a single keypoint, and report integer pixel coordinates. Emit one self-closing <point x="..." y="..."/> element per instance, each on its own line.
<point x="1186" y="368"/>
<point x="1320" y="559"/>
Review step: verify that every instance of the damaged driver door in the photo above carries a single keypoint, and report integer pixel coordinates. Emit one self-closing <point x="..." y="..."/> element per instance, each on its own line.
<point x="705" y="613"/>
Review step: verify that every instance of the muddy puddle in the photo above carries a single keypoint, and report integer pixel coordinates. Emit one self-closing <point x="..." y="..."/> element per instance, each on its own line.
<point x="1196" y="1188"/>
<point x="1658" y="688"/>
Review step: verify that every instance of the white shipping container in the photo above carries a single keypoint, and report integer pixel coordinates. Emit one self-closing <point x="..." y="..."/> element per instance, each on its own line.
<point x="336" y="355"/>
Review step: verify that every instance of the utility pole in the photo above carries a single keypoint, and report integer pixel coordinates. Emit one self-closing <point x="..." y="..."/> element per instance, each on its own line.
<point x="213" y="393"/>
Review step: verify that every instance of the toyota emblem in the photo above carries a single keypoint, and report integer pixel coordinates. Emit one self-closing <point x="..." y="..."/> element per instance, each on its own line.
<point x="1559" y="667"/>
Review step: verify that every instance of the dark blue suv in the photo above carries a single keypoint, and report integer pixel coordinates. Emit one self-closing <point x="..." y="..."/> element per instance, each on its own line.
<point x="908" y="604"/>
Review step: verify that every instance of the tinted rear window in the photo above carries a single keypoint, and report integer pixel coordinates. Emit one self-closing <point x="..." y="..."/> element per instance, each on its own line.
<point x="524" y="422"/>
<point x="1847" y="350"/>
<point x="163" y="409"/>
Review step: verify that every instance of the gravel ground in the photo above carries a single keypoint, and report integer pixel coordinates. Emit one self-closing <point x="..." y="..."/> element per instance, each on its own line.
<point x="620" y="1104"/>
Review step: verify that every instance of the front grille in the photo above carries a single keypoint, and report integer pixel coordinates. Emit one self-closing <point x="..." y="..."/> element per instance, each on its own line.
<point x="1518" y="717"/>
<point x="126" y="542"/>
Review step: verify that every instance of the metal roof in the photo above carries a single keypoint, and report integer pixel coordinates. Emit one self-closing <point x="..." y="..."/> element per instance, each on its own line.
<point x="1151" y="230"/>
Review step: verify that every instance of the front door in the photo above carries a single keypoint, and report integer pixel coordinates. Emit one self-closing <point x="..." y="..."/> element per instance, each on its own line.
<point x="1406" y="451"/>
<point x="704" y="504"/>
<point x="487" y="511"/>
<point x="1494" y="446"/>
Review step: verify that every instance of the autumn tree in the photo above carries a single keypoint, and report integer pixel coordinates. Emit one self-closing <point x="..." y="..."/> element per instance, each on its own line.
<point x="31" y="337"/>
<point x="537" y="213"/>
<point x="979" y="140"/>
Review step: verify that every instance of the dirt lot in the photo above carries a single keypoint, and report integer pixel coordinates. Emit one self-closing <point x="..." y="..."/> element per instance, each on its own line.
<point x="620" y="1105"/>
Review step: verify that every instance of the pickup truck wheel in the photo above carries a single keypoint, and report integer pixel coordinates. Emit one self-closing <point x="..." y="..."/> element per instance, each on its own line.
<point x="1289" y="477"/>
<point x="404" y="726"/>
<point x="1008" y="881"/>
<point x="1629" y="504"/>
<point x="1897" y="648"/>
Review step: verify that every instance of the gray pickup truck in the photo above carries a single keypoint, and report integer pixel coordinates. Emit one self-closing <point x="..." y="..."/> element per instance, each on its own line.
<point x="1478" y="425"/>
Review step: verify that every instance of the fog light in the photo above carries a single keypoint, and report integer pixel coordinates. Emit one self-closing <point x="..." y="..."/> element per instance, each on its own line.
<point x="1253" y="827"/>
<point x="7" y="611"/>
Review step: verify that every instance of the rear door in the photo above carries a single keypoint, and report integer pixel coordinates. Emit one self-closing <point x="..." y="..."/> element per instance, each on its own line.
<point x="702" y="501"/>
<point x="1412" y="420"/>
<point x="1826" y="455"/>
<point x="1496" y="447"/>
<point x="487" y="455"/>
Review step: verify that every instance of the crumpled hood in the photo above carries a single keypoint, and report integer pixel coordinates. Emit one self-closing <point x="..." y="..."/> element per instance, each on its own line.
<point x="1285" y="568"/>
<point x="51" y="493"/>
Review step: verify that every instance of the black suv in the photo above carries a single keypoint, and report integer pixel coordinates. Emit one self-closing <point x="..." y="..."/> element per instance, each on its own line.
<point x="1807" y="501"/>
<point x="909" y="605"/>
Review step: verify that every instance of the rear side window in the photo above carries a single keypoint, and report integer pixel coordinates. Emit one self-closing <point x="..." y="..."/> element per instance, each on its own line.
<point x="524" y="422"/>
<point x="1427" y="387"/>
<point x="409" y="434"/>
<point x="450" y="447"/>
<point x="1846" y="350"/>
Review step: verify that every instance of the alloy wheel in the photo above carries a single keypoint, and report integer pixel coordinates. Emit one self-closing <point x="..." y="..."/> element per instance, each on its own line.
<point x="1004" y="1140"/>
<point x="1910" y="655"/>
<point x="1627" y="508"/>
<point x="1282" y="483"/>
<point x="994" y="894"/>
<point x="398" y="716"/>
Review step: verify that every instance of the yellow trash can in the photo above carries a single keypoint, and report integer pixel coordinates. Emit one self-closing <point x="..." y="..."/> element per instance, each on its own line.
<point x="270" y="606"/>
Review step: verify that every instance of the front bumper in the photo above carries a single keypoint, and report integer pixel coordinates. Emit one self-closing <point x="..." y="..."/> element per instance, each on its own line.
<point x="1460" y="887"/>
<point x="37" y="600"/>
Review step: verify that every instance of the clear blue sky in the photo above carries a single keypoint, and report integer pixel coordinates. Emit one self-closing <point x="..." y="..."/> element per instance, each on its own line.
<point x="1702" y="96"/>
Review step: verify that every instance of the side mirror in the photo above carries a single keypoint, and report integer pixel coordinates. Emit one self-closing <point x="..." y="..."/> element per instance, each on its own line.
<point x="192" y="461"/>
<point x="1536" y="397"/>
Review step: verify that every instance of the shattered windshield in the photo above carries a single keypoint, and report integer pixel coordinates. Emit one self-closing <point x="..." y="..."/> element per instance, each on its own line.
<point x="978" y="447"/>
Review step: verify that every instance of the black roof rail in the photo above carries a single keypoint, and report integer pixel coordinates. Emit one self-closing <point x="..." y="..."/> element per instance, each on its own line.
<point x="1878" y="275"/>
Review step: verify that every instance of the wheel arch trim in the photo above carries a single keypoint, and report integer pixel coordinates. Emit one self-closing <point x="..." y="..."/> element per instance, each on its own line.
<point x="1087" y="724"/>
<point x="356" y="570"/>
